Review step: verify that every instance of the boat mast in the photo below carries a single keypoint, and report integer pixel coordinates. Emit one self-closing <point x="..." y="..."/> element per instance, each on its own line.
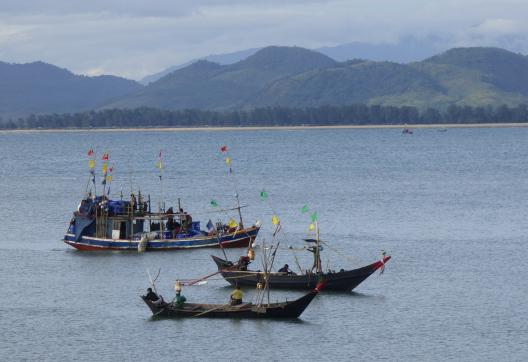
<point x="317" y="249"/>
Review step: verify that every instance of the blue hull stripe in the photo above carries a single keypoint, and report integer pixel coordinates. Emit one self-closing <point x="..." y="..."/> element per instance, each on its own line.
<point x="187" y="243"/>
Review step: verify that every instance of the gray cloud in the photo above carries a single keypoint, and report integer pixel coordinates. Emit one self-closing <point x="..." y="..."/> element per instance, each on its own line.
<point x="134" y="38"/>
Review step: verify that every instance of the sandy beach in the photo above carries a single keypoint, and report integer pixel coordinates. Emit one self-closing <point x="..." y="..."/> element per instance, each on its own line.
<point x="271" y="128"/>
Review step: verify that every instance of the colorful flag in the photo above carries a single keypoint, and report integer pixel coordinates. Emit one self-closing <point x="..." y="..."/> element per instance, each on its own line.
<point x="311" y="227"/>
<point x="109" y="178"/>
<point x="214" y="203"/>
<point x="263" y="195"/>
<point x="91" y="164"/>
<point x="313" y="217"/>
<point x="232" y="223"/>
<point x="304" y="209"/>
<point x="90" y="152"/>
<point x="275" y="220"/>
<point x="105" y="167"/>
<point x="228" y="161"/>
<point x="111" y="169"/>
<point x="223" y="149"/>
<point x="105" y="157"/>
<point x="159" y="165"/>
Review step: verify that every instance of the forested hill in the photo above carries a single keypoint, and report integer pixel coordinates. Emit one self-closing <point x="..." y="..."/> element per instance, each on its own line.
<point x="284" y="77"/>
<point x="43" y="88"/>
<point x="297" y="77"/>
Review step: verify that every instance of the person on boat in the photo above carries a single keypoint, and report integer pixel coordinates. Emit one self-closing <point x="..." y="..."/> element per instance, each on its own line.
<point x="180" y="299"/>
<point x="285" y="269"/>
<point x="236" y="296"/>
<point x="243" y="262"/>
<point x="151" y="295"/>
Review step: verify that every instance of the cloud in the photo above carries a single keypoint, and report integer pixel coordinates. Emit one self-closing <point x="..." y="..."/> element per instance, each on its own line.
<point x="135" y="38"/>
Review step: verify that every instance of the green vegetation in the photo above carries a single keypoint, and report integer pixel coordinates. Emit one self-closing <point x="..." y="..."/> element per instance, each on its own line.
<point x="358" y="114"/>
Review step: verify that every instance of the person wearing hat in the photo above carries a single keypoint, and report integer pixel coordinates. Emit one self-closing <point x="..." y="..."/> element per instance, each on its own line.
<point x="285" y="269"/>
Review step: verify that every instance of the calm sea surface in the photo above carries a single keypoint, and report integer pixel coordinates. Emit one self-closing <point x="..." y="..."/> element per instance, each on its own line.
<point x="450" y="207"/>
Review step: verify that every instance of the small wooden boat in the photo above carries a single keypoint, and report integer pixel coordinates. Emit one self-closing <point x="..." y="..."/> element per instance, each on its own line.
<point x="343" y="280"/>
<point x="287" y="309"/>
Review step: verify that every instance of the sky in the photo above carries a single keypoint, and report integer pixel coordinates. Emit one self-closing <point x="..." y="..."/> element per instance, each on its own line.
<point x="135" y="38"/>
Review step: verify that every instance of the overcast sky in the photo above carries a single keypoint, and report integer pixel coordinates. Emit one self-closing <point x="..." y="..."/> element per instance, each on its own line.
<point x="134" y="38"/>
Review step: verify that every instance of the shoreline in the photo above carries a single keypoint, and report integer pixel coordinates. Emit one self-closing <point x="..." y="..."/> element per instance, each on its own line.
<point x="269" y="128"/>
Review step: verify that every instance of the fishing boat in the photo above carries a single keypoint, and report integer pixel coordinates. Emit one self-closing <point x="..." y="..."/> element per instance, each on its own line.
<point x="237" y="273"/>
<point x="100" y="223"/>
<point x="287" y="309"/>
<point x="342" y="280"/>
<point x="236" y="308"/>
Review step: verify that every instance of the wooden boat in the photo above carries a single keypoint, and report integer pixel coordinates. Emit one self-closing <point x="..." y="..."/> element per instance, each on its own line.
<point x="103" y="224"/>
<point x="343" y="280"/>
<point x="287" y="309"/>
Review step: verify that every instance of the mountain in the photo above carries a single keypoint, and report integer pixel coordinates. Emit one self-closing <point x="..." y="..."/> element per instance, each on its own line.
<point x="297" y="77"/>
<point x="405" y="50"/>
<point x="223" y="59"/>
<point x="43" y="88"/>
<point x="213" y="86"/>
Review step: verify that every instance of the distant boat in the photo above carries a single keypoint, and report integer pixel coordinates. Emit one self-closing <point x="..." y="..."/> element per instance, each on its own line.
<point x="442" y="130"/>
<point x="407" y="131"/>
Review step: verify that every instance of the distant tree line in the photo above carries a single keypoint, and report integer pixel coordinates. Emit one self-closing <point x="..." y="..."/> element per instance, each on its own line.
<point x="357" y="114"/>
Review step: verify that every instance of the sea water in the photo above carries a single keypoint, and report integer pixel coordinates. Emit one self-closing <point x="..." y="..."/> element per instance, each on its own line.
<point x="450" y="207"/>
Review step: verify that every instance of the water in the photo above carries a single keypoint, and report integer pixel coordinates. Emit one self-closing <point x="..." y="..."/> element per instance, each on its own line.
<point x="450" y="207"/>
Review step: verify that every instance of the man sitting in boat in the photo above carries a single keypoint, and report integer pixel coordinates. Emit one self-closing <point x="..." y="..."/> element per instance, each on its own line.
<point x="243" y="262"/>
<point x="153" y="297"/>
<point x="236" y="296"/>
<point x="179" y="300"/>
<point x="285" y="269"/>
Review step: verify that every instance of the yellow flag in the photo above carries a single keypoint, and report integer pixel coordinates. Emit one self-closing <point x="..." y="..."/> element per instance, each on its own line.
<point x="159" y="165"/>
<point x="232" y="223"/>
<point x="109" y="178"/>
<point x="275" y="220"/>
<point x="228" y="161"/>
<point x="91" y="164"/>
<point x="105" y="167"/>
<point x="311" y="227"/>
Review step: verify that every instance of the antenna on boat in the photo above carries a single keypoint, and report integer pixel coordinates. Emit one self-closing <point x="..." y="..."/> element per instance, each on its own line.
<point x="159" y="165"/>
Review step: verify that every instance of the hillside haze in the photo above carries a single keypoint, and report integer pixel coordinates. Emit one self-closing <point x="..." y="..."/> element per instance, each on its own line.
<point x="43" y="88"/>
<point x="297" y="77"/>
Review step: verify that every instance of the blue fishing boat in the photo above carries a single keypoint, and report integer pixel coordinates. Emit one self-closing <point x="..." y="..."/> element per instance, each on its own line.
<point x="100" y="223"/>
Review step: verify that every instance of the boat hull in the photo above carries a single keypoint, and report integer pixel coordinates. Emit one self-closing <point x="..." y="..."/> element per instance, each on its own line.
<point x="345" y="280"/>
<point x="242" y="238"/>
<point x="292" y="309"/>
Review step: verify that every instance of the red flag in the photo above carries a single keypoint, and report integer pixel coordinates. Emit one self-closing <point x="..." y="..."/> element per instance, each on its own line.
<point x="160" y="154"/>
<point x="111" y="169"/>
<point x="90" y="152"/>
<point x="105" y="157"/>
<point x="223" y="149"/>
